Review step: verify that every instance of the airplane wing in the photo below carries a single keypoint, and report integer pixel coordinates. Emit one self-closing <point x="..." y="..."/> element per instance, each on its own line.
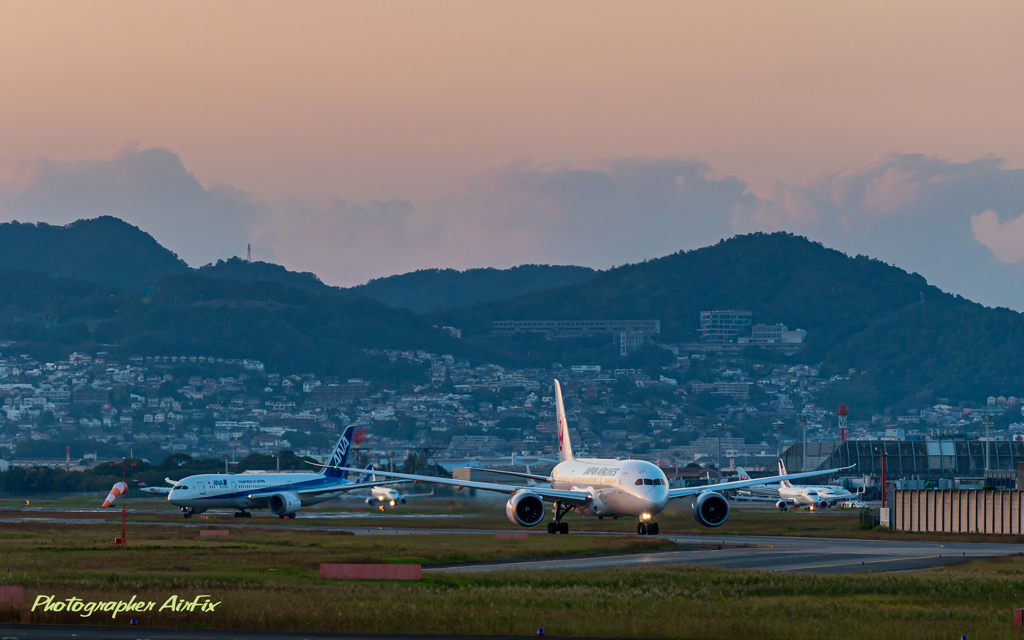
<point x="416" y="495"/>
<point x="342" y="488"/>
<point x="692" y="491"/>
<point x="576" y="498"/>
<point x="531" y="476"/>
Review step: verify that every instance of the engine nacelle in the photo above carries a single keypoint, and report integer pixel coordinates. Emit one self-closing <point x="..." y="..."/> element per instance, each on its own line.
<point x="369" y="501"/>
<point x="284" y="504"/>
<point x="401" y="500"/>
<point x="782" y="505"/>
<point x="710" y="509"/>
<point x="525" y="509"/>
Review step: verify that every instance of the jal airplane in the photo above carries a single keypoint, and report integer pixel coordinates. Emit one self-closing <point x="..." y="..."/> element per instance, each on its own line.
<point x="788" y="494"/>
<point x="605" y="488"/>
<point x="283" y="493"/>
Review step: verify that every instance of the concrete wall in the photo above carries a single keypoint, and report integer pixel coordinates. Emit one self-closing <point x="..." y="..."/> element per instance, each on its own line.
<point x="956" y="510"/>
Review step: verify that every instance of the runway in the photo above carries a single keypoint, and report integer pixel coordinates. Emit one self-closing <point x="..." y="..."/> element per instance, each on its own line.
<point x="805" y="555"/>
<point x="767" y="553"/>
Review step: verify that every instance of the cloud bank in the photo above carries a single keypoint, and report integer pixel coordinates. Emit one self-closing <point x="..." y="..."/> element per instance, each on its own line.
<point x="960" y="224"/>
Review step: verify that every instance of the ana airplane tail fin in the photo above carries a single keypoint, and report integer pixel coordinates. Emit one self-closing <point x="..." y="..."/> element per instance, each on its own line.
<point x="366" y="475"/>
<point x="562" y="425"/>
<point x="340" y="456"/>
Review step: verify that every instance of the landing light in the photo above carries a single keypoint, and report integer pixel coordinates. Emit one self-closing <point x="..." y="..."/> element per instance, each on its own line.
<point x="392" y="503"/>
<point x="645" y="516"/>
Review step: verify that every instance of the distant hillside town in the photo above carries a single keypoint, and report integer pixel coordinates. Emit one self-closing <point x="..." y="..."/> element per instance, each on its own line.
<point x="707" y="412"/>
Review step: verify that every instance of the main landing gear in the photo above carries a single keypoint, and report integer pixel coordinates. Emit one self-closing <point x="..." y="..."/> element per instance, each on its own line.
<point x="242" y="513"/>
<point x="558" y="526"/>
<point x="647" y="528"/>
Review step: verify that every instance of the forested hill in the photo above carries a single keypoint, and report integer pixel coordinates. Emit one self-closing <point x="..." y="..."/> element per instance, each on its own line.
<point x="238" y="269"/>
<point x="287" y="328"/>
<point x="418" y="291"/>
<point x="111" y="252"/>
<point x="858" y="312"/>
<point x="105" y="250"/>
<point x="433" y="288"/>
<point x="781" y="278"/>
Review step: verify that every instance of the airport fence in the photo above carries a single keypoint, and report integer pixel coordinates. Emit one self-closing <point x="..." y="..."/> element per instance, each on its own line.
<point x="956" y="510"/>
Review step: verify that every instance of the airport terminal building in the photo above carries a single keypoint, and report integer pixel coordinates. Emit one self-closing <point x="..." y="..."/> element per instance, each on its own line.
<point x="913" y="459"/>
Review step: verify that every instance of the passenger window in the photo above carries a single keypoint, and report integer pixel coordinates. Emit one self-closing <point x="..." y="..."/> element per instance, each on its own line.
<point x="648" y="481"/>
<point x="639" y="481"/>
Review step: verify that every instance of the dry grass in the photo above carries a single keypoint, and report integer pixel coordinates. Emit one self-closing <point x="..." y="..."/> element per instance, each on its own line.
<point x="269" y="580"/>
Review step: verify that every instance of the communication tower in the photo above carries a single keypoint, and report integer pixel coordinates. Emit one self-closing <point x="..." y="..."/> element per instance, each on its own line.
<point x="248" y="252"/>
<point x="842" y="411"/>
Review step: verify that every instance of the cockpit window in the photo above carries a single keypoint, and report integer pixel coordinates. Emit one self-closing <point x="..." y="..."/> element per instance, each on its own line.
<point x="657" y="481"/>
<point x="183" y="488"/>
<point x="648" y="481"/>
<point x="639" y="481"/>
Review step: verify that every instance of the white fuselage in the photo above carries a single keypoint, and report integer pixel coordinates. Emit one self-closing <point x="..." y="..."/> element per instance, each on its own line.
<point x="384" y="494"/>
<point x="247" y="491"/>
<point x="620" y="487"/>
<point x="812" y="496"/>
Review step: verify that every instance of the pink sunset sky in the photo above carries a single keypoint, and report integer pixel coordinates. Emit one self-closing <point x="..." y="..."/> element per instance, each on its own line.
<point x="362" y="139"/>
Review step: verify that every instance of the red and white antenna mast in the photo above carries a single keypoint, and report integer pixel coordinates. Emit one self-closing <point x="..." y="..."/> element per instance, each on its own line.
<point x="842" y="411"/>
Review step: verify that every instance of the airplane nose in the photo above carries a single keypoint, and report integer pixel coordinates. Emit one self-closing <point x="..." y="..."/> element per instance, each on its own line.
<point x="657" y="499"/>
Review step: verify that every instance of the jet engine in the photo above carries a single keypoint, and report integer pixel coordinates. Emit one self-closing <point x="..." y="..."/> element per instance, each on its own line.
<point x="284" y="504"/>
<point x="401" y="500"/>
<point x="525" y="508"/>
<point x="782" y="505"/>
<point x="710" y="509"/>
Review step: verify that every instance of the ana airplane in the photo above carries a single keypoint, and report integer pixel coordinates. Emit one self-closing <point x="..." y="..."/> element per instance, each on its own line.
<point x="386" y="496"/>
<point x="282" y="493"/>
<point x="598" y="487"/>
<point x="788" y="494"/>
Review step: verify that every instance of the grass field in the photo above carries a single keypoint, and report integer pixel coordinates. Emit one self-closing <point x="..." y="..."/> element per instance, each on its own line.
<point x="745" y="519"/>
<point x="269" y="579"/>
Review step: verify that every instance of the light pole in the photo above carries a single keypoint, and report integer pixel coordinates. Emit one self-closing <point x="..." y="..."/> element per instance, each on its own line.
<point x="988" y="421"/>
<point x="803" y="423"/>
<point x="778" y="430"/>
<point x="719" y="428"/>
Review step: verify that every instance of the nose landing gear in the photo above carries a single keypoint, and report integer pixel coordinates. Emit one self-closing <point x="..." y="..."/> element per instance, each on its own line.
<point x="644" y="528"/>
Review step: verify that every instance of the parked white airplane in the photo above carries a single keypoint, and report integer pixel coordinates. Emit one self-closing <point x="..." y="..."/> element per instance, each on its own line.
<point x="144" y="488"/>
<point x="787" y="494"/>
<point x="282" y="493"/>
<point x="600" y="487"/>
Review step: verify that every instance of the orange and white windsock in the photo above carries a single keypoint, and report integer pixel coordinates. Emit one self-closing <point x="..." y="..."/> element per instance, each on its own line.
<point x="115" y="492"/>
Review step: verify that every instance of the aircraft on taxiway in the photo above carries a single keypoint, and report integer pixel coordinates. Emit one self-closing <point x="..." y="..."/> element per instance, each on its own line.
<point x="787" y="494"/>
<point x="282" y="493"/>
<point x="385" y="496"/>
<point x="600" y="487"/>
